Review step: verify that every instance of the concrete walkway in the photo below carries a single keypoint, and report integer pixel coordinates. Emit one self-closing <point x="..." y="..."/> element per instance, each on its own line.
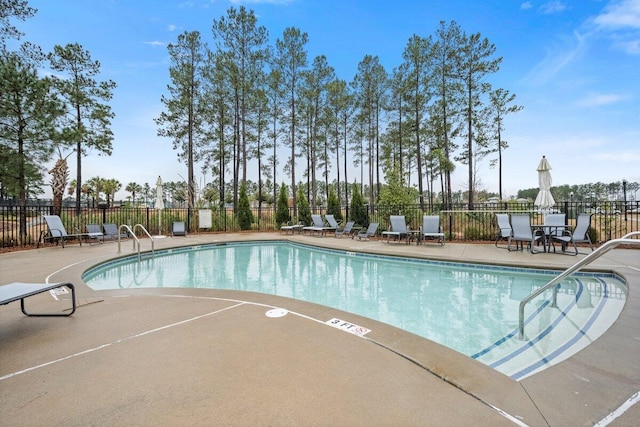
<point x="175" y="356"/>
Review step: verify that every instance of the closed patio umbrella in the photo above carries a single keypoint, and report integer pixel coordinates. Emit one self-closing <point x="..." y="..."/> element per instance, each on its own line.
<point x="544" y="199"/>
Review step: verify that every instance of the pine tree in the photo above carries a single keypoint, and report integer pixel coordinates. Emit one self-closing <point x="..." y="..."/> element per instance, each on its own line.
<point x="282" y="209"/>
<point x="304" y="211"/>
<point x="245" y="216"/>
<point x="86" y="126"/>
<point x="28" y="111"/>
<point x="358" y="212"/>
<point x="333" y="205"/>
<point x="185" y="108"/>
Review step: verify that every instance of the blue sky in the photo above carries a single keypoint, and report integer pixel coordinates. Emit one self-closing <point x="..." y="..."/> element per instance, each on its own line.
<point x="573" y="64"/>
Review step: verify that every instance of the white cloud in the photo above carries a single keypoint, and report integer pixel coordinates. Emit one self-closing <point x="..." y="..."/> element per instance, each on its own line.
<point x="620" y="156"/>
<point x="172" y="27"/>
<point x="620" y="21"/>
<point x="631" y="47"/>
<point x="622" y="14"/>
<point x="526" y="5"/>
<point x="154" y="43"/>
<point x="557" y="59"/>
<point x="599" y="99"/>
<point x="551" y="7"/>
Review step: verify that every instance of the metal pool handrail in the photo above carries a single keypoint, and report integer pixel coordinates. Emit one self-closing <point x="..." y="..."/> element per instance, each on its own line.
<point x="606" y="247"/>
<point x="135" y="238"/>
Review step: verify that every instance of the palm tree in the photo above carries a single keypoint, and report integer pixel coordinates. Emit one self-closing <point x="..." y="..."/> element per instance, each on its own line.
<point x="110" y="187"/>
<point x="95" y="186"/>
<point x="133" y="188"/>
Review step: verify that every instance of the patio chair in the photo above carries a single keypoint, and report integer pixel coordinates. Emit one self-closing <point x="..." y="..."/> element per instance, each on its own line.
<point x="556" y="224"/>
<point x="112" y="232"/>
<point x="504" y="227"/>
<point x="94" y="231"/>
<point x="523" y="232"/>
<point x="318" y="226"/>
<point x="178" y="228"/>
<point x="346" y="230"/>
<point x="398" y="228"/>
<point x="369" y="232"/>
<point x="431" y="229"/>
<point x="57" y="232"/>
<point x="580" y="234"/>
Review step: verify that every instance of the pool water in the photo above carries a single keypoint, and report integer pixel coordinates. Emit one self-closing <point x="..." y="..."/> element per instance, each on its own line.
<point x="469" y="308"/>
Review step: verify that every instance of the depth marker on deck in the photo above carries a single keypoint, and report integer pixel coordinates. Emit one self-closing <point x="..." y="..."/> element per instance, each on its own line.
<point x="347" y="326"/>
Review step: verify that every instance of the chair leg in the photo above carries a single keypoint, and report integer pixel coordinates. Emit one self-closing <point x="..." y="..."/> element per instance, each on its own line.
<point x="574" y="247"/>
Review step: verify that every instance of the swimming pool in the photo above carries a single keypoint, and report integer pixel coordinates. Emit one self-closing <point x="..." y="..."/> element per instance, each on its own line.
<point x="470" y="308"/>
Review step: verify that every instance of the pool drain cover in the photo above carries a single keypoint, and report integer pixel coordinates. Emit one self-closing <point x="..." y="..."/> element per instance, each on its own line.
<point x="277" y="312"/>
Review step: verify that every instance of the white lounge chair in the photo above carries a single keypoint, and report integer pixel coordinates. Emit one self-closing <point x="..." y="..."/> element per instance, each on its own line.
<point x="21" y="291"/>
<point x="291" y="227"/>
<point x="331" y="220"/>
<point x="431" y="229"/>
<point x="57" y="232"/>
<point x="94" y="231"/>
<point x="111" y="232"/>
<point x="398" y="228"/>
<point x="346" y="230"/>
<point x="318" y="226"/>
<point x="369" y="232"/>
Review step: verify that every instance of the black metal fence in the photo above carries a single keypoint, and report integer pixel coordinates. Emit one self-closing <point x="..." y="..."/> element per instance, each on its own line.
<point x="610" y="220"/>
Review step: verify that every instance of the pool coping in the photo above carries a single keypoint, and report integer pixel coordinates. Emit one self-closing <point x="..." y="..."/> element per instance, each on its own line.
<point x="529" y="400"/>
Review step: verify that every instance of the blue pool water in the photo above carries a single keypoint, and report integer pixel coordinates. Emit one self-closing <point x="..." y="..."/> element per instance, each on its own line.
<point x="471" y="309"/>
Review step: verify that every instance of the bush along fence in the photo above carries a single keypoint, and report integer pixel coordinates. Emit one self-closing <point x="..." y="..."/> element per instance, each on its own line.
<point x="610" y="220"/>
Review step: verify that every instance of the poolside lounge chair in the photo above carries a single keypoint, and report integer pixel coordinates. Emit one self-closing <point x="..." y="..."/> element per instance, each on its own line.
<point x="346" y="230"/>
<point x="178" y="228"/>
<point x="111" y="232"/>
<point x="57" y="232"/>
<point x="431" y="229"/>
<point x="331" y="220"/>
<point x="291" y="227"/>
<point x="504" y="227"/>
<point x="94" y="231"/>
<point x="21" y="291"/>
<point x="369" y="232"/>
<point x="398" y="228"/>
<point x="523" y="232"/>
<point x="579" y="235"/>
<point x="318" y="226"/>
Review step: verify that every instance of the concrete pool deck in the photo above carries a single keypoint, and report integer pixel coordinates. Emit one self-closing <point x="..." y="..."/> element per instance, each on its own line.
<point x="176" y="356"/>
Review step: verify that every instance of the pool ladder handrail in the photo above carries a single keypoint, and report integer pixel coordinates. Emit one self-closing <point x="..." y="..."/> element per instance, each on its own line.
<point x="135" y="239"/>
<point x="606" y="247"/>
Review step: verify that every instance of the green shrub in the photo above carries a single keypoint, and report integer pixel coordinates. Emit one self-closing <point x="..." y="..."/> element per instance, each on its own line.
<point x="358" y="211"/>
<point x="396" y="199"/>
<point x="304" y="211"/>
<point x="333" y="206"/>
<point x="245" y="216"/>
<point x="282" y="208"/>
